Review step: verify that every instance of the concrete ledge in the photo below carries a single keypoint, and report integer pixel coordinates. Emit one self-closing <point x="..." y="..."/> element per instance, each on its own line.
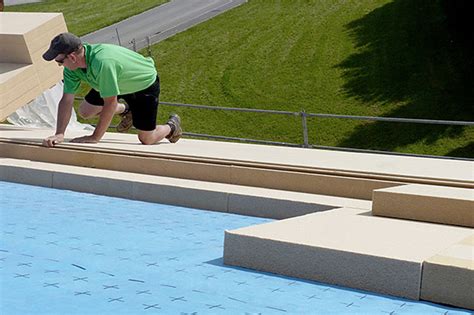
<point x="344" y="186"/>
<point x="448" y="277"/>
<point x="345" y="247"/>
<point x="182" y="194"/>
<point x="229" y="172"/>
<point x="254" y="201"/>
<point x="446" y="205"/>
<point x="324" y="172"/>
<point x="275" y="207"/>
<point x="31" y="176"/>
<point x="203" y="170"/>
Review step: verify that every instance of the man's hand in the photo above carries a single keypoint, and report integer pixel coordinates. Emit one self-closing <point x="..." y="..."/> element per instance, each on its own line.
<point x="86" y="139"/>
<point x="53" y="140"/>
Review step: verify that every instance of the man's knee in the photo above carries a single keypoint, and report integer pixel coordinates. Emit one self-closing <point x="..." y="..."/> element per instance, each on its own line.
<point x="146" y="138"/>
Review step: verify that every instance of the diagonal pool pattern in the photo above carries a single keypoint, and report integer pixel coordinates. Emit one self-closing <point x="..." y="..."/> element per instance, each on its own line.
<point x="64" y="252"/>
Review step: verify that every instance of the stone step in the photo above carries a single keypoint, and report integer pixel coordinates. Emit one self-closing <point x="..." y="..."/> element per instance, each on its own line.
<point x="446" y="205"/>
<point x="448" y="277"/>
<point x="252" y="201"/>
<point x="346" y="247"/>
<point x="232" y="163"/>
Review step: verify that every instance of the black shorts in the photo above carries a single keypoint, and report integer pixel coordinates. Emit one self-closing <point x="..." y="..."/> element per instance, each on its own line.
<point x="142" y="104"/>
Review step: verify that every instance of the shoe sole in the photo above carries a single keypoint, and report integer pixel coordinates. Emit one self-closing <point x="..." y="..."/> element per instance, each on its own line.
<point x="178" y="132"/>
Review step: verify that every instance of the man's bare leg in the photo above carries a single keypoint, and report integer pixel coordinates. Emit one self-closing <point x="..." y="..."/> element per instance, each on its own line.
<point x="87" y="110"/>
<point x="154" y="136"/>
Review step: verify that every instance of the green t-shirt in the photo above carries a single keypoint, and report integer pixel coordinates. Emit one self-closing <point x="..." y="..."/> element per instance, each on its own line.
<point x="111" y="70"/>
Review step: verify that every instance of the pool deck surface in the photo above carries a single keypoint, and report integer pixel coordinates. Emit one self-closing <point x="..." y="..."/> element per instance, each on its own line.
<point x="367" y="163"/>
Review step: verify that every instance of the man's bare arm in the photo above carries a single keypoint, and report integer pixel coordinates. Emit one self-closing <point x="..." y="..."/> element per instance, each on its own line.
<point x="110" y="105"/>
<point x="105" y="118"/>
<point x="64" y="115"/>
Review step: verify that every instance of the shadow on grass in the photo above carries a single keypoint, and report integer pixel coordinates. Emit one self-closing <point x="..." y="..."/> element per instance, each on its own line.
<point x="406" y="56"/>
<point x="467" y="150"/>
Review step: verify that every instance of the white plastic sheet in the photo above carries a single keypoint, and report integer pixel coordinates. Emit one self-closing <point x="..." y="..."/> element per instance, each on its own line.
<point x="42" y="112"/>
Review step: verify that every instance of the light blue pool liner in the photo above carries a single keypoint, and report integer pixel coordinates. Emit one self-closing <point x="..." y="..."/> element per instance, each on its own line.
<point x="64" y="252"/>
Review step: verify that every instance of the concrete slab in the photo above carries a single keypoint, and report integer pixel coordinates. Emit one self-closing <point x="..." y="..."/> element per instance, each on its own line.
<point x="182" y="195"/>
<point x="10" y="72"/>
<point x="18" y="84"/>
<point x="29" y="176"/>
<point x="204" y="195"/>
<point x="448" y="277"/>
<point x="24" y="38"/>
<point x="310" y="181"/>
<point x="77" y="181"/>
<point x="278" y="204"/>
<point x="19" y="23"/>
<point x="345" y="247"/>
<point x="122" y="152"/>
<point x="14" y="49"/>
<point x="323" y="161"/>
<point x="446" y="205"/>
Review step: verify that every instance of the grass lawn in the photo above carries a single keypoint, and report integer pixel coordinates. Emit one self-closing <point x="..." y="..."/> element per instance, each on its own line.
<point x="390" y="58"/>
<point x="85" y="16"/>
<point x="361" y="57"/>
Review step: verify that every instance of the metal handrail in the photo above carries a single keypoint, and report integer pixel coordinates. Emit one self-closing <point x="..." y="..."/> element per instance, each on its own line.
<point x="303" y="113"/>
<point x="234" y="109"/>
<point x="403" y="120"/>
<point x="304" y="124"/>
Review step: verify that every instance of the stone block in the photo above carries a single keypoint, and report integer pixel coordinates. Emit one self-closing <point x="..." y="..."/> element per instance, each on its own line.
<point x="439" y="204"/>
<point x="24" y="75"/>
<point x="347" y="247"/>
<point x="448" y="277"/>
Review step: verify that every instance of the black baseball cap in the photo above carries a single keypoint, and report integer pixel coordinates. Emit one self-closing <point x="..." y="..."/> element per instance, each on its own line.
<point x="64" y="43"/>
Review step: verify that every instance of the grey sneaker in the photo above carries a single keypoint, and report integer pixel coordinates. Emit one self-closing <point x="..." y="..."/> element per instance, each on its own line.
<point x="174" y="121"/>
<point x="126" y="122"/>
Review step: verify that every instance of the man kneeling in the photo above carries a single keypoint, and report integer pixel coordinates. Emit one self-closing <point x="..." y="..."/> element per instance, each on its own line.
<point x="114" y="73"/>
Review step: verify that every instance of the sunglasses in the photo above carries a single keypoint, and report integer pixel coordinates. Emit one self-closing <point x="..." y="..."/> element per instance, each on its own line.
<point x="62" y="60"/>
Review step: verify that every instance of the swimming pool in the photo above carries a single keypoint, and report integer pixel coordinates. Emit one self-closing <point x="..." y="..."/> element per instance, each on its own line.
<point x="64" y="252"/>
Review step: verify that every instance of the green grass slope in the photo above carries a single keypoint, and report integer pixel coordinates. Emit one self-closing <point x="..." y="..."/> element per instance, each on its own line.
<point x="362" y="57"/>
<point x="392" y="58"/>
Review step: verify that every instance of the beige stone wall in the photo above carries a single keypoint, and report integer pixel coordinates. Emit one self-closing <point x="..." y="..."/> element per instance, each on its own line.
<point x="23" y="73"/>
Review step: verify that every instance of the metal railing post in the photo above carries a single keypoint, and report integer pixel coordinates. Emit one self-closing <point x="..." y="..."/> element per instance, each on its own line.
<point x="305" y="129"/>
<point x="118" y="36"/>
<point x="148" y="44"/>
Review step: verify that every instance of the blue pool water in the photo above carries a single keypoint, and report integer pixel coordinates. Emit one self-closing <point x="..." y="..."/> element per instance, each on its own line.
<point x="63" y="252"/>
